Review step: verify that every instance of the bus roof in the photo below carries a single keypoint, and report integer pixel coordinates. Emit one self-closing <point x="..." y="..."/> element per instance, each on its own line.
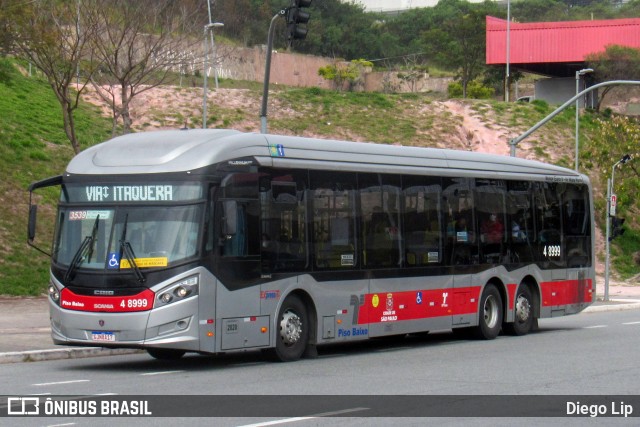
<point x="188" y="150"/>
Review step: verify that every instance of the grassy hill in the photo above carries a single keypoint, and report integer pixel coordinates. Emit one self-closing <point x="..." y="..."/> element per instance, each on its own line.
<point x="33" y="145"/>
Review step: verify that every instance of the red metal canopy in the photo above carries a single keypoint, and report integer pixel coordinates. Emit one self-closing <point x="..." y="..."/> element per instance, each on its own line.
<point x="557" y="42"/>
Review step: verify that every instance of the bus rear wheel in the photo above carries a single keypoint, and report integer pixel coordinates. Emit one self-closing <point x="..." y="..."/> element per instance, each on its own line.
<point x="524" y="320"/>
<point x="165" y="353"/>
<point x="292" y="330"/>
<point x="490" y="315"/>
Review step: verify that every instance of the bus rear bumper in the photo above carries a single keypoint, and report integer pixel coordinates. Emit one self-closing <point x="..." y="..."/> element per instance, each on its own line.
<point x="174" y="326"/>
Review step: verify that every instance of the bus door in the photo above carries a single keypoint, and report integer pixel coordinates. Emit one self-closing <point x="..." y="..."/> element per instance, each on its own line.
<point x="237" y="264"/>
<point x="381" y="254"/>
<point x="462" y="249"/>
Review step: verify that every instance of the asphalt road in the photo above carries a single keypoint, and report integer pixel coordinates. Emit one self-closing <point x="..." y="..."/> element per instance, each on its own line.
<point x="587" y="354"/>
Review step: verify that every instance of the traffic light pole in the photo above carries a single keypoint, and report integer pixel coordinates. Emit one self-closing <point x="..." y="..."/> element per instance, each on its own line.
<point x="267" y="73"/>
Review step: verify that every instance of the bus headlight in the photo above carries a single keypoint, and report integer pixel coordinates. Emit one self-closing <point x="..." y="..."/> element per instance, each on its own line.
<point x="54" y="294"/>
<point x="178" y="291"/>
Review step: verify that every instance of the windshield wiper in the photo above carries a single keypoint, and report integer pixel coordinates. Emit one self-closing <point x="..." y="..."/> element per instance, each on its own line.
<point x="79" y="256"/>
<point x="127" y="252"/>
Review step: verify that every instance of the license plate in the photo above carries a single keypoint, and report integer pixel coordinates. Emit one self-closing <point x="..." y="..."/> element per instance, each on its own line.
<point x="103" y="336"/>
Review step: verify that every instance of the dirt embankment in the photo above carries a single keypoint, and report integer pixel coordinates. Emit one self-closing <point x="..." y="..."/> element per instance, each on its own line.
<point x="168" y="107"/>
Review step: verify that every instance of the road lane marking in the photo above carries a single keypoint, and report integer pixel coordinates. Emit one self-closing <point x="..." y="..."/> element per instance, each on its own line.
<point x="310" y="417"/>
<point x="62" y="382"/>
<point x="632" y="323"/>
<point x="61" y="425"/>
<point x="161" y="373"/>
<point x="595" y="326"/>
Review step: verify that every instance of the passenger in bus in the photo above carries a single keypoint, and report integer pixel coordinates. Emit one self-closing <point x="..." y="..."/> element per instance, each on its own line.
<point x="516" y="233"/>
<point x="492" y="229"/>
<point x="268" y="246"/>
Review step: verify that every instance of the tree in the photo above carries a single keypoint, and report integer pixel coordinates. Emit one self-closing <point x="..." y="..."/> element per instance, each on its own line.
<point x="457" y="38"/>
<point x="8" y="11"/>
<point x="45" y="32"/>
<point x="617" y="137"/>
<point x="139" y="45"/>
<point x="412" y="72"/>
<point x="615" y="63"/>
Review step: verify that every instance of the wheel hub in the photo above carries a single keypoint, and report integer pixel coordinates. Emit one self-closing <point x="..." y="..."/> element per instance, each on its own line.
<point x="491" y="311"/>
<point x="523" y="309"/>
<point x="290" y="328"/>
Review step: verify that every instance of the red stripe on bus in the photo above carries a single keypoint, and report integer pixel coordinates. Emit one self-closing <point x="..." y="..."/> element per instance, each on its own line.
<point x="511" y="292"/>
<point x="423" y="304"/>
<point x="419" y="304"/>
<point x="110" y="304"/>
<point x="564" y="292"/>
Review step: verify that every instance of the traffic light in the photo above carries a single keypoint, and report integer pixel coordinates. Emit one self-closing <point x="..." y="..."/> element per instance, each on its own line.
<point x="616" y="227"/>
<point x="295" y="17"/>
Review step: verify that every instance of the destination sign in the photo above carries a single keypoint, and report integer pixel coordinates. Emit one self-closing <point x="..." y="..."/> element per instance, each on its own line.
<point x="136" y="193"/>
<point x="129" y="193"/>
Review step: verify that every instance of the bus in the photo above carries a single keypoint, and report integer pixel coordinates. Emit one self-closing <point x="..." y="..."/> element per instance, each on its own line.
<point x="215" y="241"/>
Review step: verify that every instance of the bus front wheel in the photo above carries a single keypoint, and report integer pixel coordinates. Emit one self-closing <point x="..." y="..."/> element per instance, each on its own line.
<point x="490" y="321"/>
<point x="292" y="330"/>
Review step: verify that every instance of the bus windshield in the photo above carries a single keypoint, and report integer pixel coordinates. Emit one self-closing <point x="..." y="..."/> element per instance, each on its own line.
<point x="90" y="238"/>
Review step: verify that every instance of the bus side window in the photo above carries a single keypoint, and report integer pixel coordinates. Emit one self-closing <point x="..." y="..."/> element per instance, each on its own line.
<point x="283" y="221"/>
<point x="492" y="219"/>
<point x="379" y="205"/>
<point x="520" y="227"/>
<point x="550" y="244"/>
<point x="462" y="245"/>
<point x="422" y="229"/>
<point x="239" y="210"/>
<point x="576" y="225"/>
<point x="333" y="219"/>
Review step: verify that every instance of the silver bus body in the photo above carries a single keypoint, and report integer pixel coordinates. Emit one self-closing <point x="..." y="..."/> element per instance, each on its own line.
<point x="216" y="298"/>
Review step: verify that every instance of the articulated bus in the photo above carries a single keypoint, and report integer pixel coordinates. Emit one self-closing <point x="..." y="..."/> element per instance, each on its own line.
<point x="214" y="241"/>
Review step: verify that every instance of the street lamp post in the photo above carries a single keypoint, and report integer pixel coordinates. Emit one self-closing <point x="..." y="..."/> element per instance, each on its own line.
<point x="208" y="29"/>
<point x="610" y="193"/>
<point x="508" y="52"/>
<point x="578" y="74"/>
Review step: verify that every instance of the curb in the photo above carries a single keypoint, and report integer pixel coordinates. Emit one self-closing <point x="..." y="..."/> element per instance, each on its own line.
<point x="619" y="305"/>
<point x="63" y="353"/>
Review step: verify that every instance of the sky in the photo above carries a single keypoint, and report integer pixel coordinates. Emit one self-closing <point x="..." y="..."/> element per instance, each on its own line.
<point x="394" y="5"/>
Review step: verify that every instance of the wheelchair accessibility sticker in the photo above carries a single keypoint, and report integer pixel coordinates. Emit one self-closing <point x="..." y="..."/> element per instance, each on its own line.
<point x="114" y="261"/>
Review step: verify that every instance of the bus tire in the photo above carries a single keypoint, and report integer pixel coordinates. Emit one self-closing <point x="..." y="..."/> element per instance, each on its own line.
<point x="165" y="353"/>
<point x="490" y="314"/>
<point x="292" y="334"/>
<point x="523" y="321"/>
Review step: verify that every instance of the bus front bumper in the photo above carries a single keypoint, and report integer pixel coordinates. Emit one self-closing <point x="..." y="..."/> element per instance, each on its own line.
<point x="173" y="326"/>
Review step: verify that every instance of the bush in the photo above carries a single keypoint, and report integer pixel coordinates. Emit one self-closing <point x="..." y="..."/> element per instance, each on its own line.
<point x="475" y="90"/>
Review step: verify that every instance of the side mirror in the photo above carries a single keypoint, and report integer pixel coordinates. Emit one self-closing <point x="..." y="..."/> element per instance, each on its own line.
<point x="230" y="220"/>
<point x="31" y="231"/>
